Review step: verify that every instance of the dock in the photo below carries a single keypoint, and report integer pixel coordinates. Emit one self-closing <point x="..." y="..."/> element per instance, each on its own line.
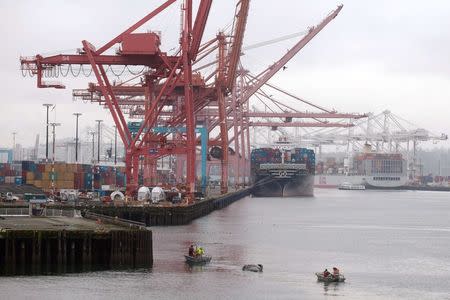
<point x="54" y="245"/>
<point x="171" y="215"/>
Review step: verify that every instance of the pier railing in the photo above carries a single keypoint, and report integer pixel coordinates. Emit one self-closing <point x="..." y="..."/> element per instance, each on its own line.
<point x="49" y="212"/>
<point x="14" y="211"/>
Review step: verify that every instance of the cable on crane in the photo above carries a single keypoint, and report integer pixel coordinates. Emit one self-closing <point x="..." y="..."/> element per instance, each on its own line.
<point x="31" y="73"/>
<point x="84" y="73"/>
<point x="51" y="72"/>
<point x="47" y="73"/>
<point x="24" y="72"/>
<point x="55" y="52"/>
<point x="71" y="71"/>
<point x="132" y="73"/>
<point x="62" y="73"/>
<point x="276" y="40"/>
<point x="120" y="74"/>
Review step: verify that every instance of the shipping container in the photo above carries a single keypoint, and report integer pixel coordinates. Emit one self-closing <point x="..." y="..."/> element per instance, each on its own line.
<point x="28" y="166"/>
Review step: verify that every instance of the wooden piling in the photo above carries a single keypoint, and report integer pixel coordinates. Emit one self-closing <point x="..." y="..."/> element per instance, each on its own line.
<point x="46" y="250"/>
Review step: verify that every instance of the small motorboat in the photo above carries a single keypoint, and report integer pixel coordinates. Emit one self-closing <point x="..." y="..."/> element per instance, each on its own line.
<point x="330" y="278"/>
<point x="253" y="268"/>
<point x="202" y="259"/>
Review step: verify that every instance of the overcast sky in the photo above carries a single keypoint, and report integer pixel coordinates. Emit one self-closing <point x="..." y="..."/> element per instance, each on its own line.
<point x="375" y="55"/>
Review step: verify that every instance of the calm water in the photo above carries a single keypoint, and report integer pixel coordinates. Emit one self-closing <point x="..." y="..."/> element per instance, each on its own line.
<point x="389" y="245"/>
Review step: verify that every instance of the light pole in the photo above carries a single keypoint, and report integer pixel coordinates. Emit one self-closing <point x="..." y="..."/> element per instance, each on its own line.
<point x="115" y="145"/>
<point x="93" y="146"/>
<point x="77" y="115"/>
<point x="53" y="154"/>
<point x="46" y="135"/>
<point x="98" y="139"/>
<point x="14" y="145"/>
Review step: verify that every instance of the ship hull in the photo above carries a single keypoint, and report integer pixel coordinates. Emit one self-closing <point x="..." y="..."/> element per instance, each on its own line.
<point x="298" y="186"/>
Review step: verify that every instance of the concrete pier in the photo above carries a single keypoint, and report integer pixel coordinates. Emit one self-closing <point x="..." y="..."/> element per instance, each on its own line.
<point x="51" y="245"/>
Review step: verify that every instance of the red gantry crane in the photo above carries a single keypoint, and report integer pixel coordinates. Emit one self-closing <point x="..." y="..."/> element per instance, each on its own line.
<point x="239" y="103"/>
<point x="142" y="49"/>
<point x="171" y="94"/>
<point x="232" y="103"/>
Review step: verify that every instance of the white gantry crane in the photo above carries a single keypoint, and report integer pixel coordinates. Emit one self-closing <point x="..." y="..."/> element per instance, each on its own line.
<point x="385" y="132"/>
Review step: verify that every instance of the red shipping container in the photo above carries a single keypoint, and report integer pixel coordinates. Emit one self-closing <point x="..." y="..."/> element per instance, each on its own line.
<point x="96" y="185"/>
<point x="77" y="181"/>
<point x="41" y="168"/>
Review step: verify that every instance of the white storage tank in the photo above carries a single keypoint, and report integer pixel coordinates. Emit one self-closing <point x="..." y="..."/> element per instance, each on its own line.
<point x="143" y="193"/>
<point x="158" y="194"/>
<point x="117" y="195"/>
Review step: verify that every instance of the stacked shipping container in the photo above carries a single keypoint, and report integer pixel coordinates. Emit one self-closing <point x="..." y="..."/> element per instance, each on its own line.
<point x="295" y="155"/>
<point x="266" y="155"/>
<point x="72" y="176"/>
<point x="10" y="173"/>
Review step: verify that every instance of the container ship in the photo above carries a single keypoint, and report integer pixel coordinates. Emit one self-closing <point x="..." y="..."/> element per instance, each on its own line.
<point x="371" y="169"/>
<point x="282" y="172"/>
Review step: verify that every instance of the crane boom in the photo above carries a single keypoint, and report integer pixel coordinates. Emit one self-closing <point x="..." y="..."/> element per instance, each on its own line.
<point x="299" y="124"/>
<point x="273" y="69"/>
<point x="199" y="27"/>
<point x="242" y="9"/>
<point x="264" y="76"/>
<point x="257" y="114"/>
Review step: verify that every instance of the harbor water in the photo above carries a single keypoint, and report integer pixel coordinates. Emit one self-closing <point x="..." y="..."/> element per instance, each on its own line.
<point x="388" y="244"/>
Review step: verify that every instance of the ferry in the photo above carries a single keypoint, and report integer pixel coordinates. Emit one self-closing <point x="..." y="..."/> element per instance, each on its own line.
<point x="351" y="186"/>
<point x="373" y="170"/>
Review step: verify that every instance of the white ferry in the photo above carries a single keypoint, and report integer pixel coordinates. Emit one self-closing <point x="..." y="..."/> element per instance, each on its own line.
<point x="373" y="170"/>
<point x="351" y="186"/>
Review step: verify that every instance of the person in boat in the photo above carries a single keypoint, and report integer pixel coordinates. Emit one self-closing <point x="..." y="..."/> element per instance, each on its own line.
<point x="199" y="251"/>
<point x="326" y="273"/>
<point x="335" y="272"/>
<point x="191" y="250"/>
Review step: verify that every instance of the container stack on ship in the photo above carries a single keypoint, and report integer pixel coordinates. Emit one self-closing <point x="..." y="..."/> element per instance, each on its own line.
<point x="283" y="172"/>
